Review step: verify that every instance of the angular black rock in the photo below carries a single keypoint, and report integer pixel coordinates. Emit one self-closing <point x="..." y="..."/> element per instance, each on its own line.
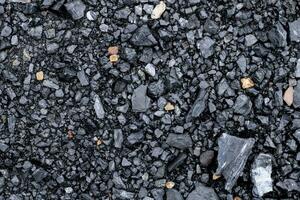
<point x="198" y="106"/>
<point x="173" y="194"/>
<point x="296" y="95"/>
<point x="289" y="185"/>
<point x="203" y="193"/>
<point x="180" y="141"/>
<point x="76" y="9"/>
<point x="206" y="46"/>
<point x="140" y="101"/>
<point x="179" y="160"/>
<point x="277" y="35"/>
<point x="206" y="158"/>
<point x="295" y="30"/>
<point x="243" y="105"/>
<point x="143" y="37"/>
<point x="232" y="157"/>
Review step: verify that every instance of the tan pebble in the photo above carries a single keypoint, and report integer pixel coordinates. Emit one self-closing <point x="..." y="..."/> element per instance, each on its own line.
<point x="40" y="76"/>
<point x="158" y="10"/>
<point x="113" y="58"/>
<point x="216" y="177"/>
<point x="169" y="107"/>
<point x="170" y="184"/>
<point x="114" y="50"/>
<point x="247" y="83"/>
<point x="237" y="198"/>
<point x="288" y="96"/>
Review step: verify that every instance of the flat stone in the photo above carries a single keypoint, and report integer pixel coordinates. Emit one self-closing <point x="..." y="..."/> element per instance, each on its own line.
<point x="50" y="84"/>
<point x="250" y="40"/>
<point x="199" y="105"/>
<point x="296" y="96"/>
<point x="180" y="141"/>
<point x="3" y="147"/>
<point x="139" y="100"/>
<point x="82" y="78"/>
<point x="98" y="107"/>
<point x="150" y="69"/>
<point x="232" y="157"/>
<point x="118" y="138"/>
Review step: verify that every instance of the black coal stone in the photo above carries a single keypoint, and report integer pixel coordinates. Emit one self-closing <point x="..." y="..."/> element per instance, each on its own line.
<point x="202" y="193"/>
<point x="143" y="37"/>
<point x="75" y="9"/>
<point x="180" y="141"/>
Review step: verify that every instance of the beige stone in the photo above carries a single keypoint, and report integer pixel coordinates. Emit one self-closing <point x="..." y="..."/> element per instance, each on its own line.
<point x="40" y="76"/>
<point x="113" y="58"/>
<point x="247" y="83"/>
<point x="169" y="107"/>
<point x="158" y="10"/>
<point x="288" y="96"/>
<point x="170" y="184"/>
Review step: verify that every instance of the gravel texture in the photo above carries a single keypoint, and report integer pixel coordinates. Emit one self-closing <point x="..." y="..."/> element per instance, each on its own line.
<point x="150" y="100"/>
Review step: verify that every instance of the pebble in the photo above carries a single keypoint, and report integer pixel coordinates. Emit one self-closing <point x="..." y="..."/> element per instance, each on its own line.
<point x="158" y="10"/>
<point x="203" y="193"/>
<point x="39" y="75"/>
<point x="206" y="158"/>
<point x="150" y="69"/>
<point x="288" y="96"/>
<point x="75" y="8"/>
<point x="247" y="83"/>
<point x="98" y="107"/>
<point x="139" y="100"/>
<point x="295" y="30"/>
<point x="180" y="141"/>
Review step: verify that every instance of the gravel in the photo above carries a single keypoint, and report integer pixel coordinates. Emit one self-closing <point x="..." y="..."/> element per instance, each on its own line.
<point x="118" y="99"/>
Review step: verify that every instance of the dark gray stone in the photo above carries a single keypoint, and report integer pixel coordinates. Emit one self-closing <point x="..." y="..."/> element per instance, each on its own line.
<point x="203" y="193"/>
<point x="295" y="30"/>
<point x="139" y="100"/>
<point x="206" y="46"/>
<point x="277" y="35"/>
<point x="180" y="141"/>
<point x="206" y="158"/>
<point x="242" y="105"/>
<point x="143" y="37"/>
<point x="75" y="9"/>
<point x="199" y="105"/>
<point x="173" y="194"/>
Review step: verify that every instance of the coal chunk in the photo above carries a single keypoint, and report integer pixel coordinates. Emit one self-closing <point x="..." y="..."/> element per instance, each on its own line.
<point x="139" y="100"/>
<point x="232" y="157"/>
<point x="243" y="105"/>
<point x="75" y="9"/>
<point x="203" y="193"/>
<point x="179" y="160"/>
<point x="180" y="141"/>
<point x="3" y="147"/>
<point x="277" y="35"/>
<point x="39" y="174"/>
<point x="198" y="106"/>
<point x="118" y="138"/>
<point x="143" y="37"/>
<point x="211" y="27"/>
<point x="156" y="89"/>
<point x="261" y="174"/>
<point x="295" y="30"/>
<point x="206" y="46"/>
<point x="289" y="185"/>
<point x="173" y="194"/>
<point x="134" y="138"/>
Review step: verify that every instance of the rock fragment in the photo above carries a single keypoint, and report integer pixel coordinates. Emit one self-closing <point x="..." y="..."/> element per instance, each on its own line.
<point x="143" y="37"/>
<point x="297" y="70"/>
<point x="173" y="194"/>
<point x="169" y="107"/>
<point x="243" y="105"/>
<point x="118" y="138"/>
<point x="98" y="107"/>
<point x="206" y="158"/>
<point x="198" y="106"/>
<point x="11" y="121"/>
<point x="180" y="141"/>
<point x="277" y="35"/>
<point x="232" y="157"/>
<point x="75" y="9"/>
<point x="179" y="160"/>
<point x="295" y="30"/>
<point x="289" y="96"/>
<point x="82" y="78"/>
<point x="3" y="147"/>
<point x="296" y="96"/>
<point x="158" y="10"/>
<point x="247" y="83"/>
<point x="289" y="185"/>
<point x="50" y="84"/>
<point x="206" y="46"/>
<point x="150" y="69"/>
<point x="139" y="100"/>
<point x="39" y="75"/>
<point x="250" y="40"/>
<point x="261" y="174"/>
<point x="203" y="193"/>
